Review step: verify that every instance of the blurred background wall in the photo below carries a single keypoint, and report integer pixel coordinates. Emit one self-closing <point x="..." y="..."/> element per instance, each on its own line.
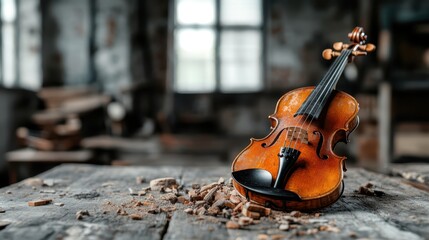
<point x="180" y="81"/>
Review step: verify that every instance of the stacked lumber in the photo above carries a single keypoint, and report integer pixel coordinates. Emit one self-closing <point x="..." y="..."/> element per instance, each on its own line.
<point x="58" y="127"/>
<point x="52" y="137"/>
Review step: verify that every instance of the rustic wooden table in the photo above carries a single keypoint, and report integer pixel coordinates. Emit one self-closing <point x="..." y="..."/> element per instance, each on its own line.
<point x="402" y="213"/>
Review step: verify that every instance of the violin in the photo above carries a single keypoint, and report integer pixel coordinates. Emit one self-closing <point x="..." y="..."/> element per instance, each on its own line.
<point x="294" y="166"/>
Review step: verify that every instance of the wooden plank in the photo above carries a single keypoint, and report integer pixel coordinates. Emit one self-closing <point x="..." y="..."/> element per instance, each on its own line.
<point x="399" y="214"/>
<point x="183" y="226"/>
<point x="57" y="95"/>
<point x="389" y="216"/>
<point x="31" y="155"/>
<point x="76" y="106"/>
<point x="81" y="187"/>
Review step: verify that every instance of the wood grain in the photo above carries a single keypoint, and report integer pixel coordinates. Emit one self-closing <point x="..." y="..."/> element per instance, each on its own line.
<point x="400" y="214"/>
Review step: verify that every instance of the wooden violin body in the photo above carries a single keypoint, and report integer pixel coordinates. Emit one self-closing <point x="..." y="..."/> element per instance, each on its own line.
<point x="318" y="173"/>
<point x="295" y="166"/>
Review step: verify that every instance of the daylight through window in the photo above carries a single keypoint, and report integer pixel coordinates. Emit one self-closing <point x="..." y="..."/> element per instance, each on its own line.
<point x="218" y="46"/>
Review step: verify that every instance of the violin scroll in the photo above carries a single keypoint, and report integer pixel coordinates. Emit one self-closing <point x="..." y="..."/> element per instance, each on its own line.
<point x="358" y="36"/>
<point x="358" y="39"/>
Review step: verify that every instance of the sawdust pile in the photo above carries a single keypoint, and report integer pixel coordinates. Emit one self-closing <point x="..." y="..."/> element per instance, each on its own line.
<point x="217" y="199"/>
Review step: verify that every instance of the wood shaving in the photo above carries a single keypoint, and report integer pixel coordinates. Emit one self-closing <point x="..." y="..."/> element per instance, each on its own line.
<point x="160" y="183"/>
<point x="81" y="213"/>
<point x="136" y="216"/>
<point x="217" y="200"/>
<point x="39" y="202"/>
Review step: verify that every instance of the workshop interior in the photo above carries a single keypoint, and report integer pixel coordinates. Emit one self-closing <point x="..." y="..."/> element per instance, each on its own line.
<point x="200" y="83"/>
<point x="156" y="83"/>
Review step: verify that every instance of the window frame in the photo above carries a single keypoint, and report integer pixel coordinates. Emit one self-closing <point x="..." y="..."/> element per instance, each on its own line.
<point x="23" y="47"/>
<point x="15" y="81"/>
<point x="217" y="28"/>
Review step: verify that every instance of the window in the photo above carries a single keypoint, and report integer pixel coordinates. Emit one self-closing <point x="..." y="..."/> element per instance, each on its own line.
<point x="20" y="44"/>
<point x="218" y="46"/>
<point x="8" y="17"/>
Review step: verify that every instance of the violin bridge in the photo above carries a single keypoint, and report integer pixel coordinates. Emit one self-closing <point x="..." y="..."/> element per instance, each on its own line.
<point x="296" y="133"/>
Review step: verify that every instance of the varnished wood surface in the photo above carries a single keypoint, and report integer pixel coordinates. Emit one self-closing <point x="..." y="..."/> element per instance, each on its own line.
<point x="400" y="214"/>
<point x="312" y="178"/>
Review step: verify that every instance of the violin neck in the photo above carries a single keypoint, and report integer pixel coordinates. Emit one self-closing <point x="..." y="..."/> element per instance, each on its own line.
<point x="316" y="101"/>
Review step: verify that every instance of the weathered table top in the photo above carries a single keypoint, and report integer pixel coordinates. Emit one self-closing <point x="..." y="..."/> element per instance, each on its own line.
<point x="402" y="213"/>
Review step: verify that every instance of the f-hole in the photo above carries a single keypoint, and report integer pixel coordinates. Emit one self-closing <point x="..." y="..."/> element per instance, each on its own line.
<point x="319" y="146"/>
<point x="264" y="145"/>
<point x="292" y="134"/>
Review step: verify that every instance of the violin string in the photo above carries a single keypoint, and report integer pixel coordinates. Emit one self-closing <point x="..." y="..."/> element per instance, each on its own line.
<point x="338" y="71"/>
<point x="325" y="78"/>
<point x="328" y="85"/>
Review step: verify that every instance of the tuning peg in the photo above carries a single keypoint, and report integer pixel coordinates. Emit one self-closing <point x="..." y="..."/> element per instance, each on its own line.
<point x="359" y="53"/>
<point x="367" y="48"/>
<point x="328" y="54"/>
<point x="338" y="46"/>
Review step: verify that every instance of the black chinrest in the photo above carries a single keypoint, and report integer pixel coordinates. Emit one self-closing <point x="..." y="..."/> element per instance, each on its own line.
<point x="260" y="181"/>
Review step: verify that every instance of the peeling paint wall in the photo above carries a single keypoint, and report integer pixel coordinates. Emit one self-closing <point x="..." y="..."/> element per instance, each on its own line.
<point x="67" y="36"/>
<point x="29" y="44"/>
<point x="66" y="32"/>
<point x="298" y="31"/>
<point x="112" y="41"/>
